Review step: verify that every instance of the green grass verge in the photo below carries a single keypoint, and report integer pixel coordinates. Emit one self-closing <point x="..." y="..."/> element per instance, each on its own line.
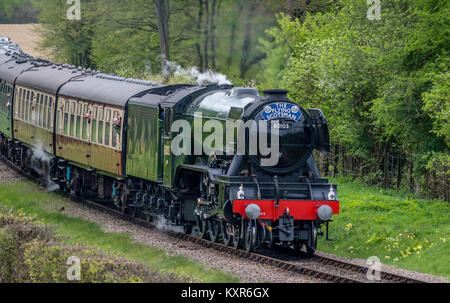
<point x="401" y="230"/>
<point x="32" y="200"/>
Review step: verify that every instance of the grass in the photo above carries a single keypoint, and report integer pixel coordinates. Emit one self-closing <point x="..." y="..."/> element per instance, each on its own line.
<point x="402" y="230"/>
<point x="27" y="197"/>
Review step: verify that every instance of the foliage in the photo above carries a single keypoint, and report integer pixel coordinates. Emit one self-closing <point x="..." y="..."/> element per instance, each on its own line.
<point x="17" y="11"/>
<point x="383" y="85"/>
<point x="122" y="36"/>
<point x="69" y="41"/>
<point x="29" y="252"/>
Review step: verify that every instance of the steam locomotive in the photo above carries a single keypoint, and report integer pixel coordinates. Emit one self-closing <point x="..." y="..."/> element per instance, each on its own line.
<point x="113" y="139"/>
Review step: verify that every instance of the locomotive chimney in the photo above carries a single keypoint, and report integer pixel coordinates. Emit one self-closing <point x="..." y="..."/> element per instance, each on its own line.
<point x="279" y="94"/>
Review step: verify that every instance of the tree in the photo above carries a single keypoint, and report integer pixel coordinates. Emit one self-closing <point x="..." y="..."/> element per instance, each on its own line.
<point x="163" y="14"/>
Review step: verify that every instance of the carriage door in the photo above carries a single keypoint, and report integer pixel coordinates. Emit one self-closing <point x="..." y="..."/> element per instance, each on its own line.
<point x="167" y="142"/>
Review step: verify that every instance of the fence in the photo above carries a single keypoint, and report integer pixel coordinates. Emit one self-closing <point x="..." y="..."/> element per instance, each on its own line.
<point x="389" y="170"/>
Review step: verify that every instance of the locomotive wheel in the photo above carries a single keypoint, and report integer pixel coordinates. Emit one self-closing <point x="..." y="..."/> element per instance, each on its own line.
<point x="124" y="201"/>
<point x="237" y="242"/>
<point x="298" y="245"/>
<point x="201" y="227"/>
<point x="250" y="236"/>
<point x="134" y="211"/>
<point x="187" y="228"/>
<point x="312" y="245"/>
<point x="226" y="232"/>
<point x="147" y="215"/>
<point x="213" y="230"/>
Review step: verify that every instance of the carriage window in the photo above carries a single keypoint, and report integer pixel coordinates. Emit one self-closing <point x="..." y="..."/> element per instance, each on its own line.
<point x="66" y="123"/>
<point x="20" y="114"/>
<point x="32" y="113"/>
<point x="100" y="132"/>
<point x="107" y="126"/>
<point x="25" y="111"/>
<point x="100" y="125"/>
<point x="41" y="110"/>
<point x="116" y="131"/>
<point x="85" y="124"/>
<point x="44" y="115"/>
<point x="78" y="127"/>
<point x="107" y="132"/>
<point x="25" y="105"/>
<point x="18" y="103"/>
<point x="72" y="120"/>
<point x="66" y="118"/>
<point x="78" y="119"/>
<point x="72" y="124"/>
<point x="50" y="112"/>
<point x="94" y="124"/>
<point x="37" y="109"/>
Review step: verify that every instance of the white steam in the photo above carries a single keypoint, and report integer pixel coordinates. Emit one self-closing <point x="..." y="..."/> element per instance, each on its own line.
<point x="207" y="77"/>
<point x="162" y="224"/>
<point x="39" y="160"/>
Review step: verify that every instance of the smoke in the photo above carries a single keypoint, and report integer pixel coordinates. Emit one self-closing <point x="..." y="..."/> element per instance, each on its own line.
<point x="40" y="159"/>
<point x="207" y="77"/>
<point x="162" y="224"/>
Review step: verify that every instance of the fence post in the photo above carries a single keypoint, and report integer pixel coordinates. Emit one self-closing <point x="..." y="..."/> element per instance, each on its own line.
<point x="386" y="168"/>
<point x="399" y="171"/>
<point x="336" y="160"/>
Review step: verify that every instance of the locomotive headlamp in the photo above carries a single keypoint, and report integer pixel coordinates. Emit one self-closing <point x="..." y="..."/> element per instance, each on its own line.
<point x="253" y="211"/>
<point x="324" y="212"/>
<point x="331" y="194"/>
<point x="241" y="194"/>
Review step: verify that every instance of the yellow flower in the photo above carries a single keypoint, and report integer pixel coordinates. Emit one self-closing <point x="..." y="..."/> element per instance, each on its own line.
<point x="348" y="226"/>
<point x="396" y="259"/>
<point x="387" y="257"/>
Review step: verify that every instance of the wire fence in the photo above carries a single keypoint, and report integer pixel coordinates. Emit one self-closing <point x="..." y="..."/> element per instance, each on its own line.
<point x="390" y="170"/>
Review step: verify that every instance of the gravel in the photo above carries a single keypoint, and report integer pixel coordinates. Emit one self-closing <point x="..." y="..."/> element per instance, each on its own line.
<point x="7" y="175"/>
<point x="27" y="36"/>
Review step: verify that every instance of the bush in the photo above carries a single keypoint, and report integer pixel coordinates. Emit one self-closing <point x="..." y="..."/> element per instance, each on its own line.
<point x="30" y="252"/>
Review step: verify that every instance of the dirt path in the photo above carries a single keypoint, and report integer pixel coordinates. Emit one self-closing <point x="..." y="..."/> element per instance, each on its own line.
<point x="26" y="36"/>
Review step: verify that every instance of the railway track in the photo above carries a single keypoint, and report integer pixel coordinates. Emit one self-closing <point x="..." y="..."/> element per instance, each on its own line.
<point x="336" y="271"/>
